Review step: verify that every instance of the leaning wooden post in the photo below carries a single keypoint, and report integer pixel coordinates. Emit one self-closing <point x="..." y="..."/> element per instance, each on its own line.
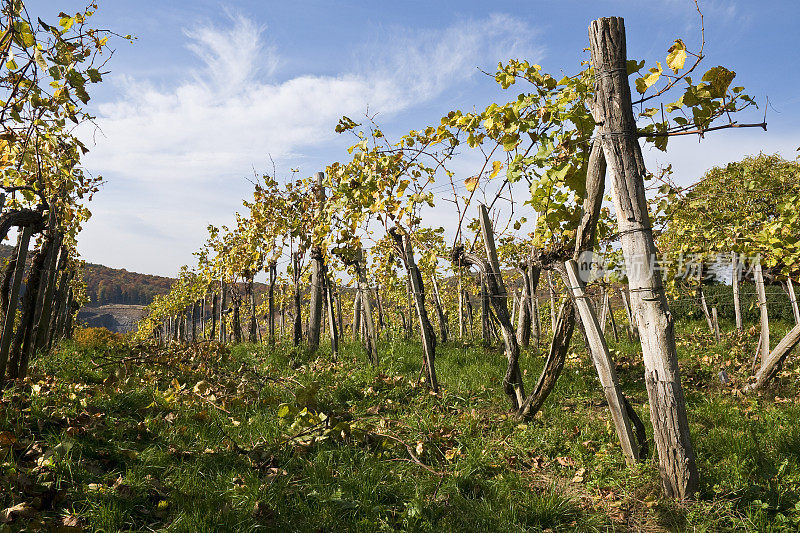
<point x="405" y="248"/>
<point x="513" y="378"/>
<point x="612" y="109"/>
<point x="735" y="273"/>
<point x="703" y="303"/>
<point x="793" y="300"/>
<point x="762" y="306"/>
<point x="440" y="313"/>
<point x="603" y="364"/>
<point x="612" y="320"/>
<point x="774" y="361"/>
<point x="11" y="311"/>
<point x="604" y="311"/>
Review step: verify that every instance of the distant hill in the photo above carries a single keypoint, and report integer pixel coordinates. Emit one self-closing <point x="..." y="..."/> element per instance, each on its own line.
<point x="114" y="285"/>
<point x="118" y="286"/>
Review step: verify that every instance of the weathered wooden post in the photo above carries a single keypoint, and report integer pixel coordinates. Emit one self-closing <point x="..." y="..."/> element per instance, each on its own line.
<point x="317" y="268"/>
<point x="715" y="320"/>
<point x="13" y="300"/>
<point x="366" y="304"/>
<point x="603" y="364"/>
<point x="793" y="300"/>
<point x="402" y="243"/>
<point x="735" y="274"/>
<point x="762" y="306"/>
<point x="613" y="110"/>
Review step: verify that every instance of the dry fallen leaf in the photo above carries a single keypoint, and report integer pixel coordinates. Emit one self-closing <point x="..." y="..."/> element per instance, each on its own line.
<point x="21" y="510"/>
<point x="565" y="461"/>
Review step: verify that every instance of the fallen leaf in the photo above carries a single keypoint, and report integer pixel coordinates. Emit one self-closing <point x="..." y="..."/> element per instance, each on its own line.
<point x="21" y="510"/>
<point x="565" y="461"/>
<point x="7" y="439"/>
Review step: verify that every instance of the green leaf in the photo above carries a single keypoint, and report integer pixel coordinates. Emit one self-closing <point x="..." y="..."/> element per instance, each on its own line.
<point x="720" y="79"/>
<point x="634" y="66"/>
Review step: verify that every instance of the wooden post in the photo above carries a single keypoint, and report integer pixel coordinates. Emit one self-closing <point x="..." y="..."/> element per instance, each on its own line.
<point x="339" y="318"/>
<point x="470" y="315"/>
<point x="297" y="330"/>
<point x="604" y="312"/>
<point x="793" y="300"/>
<point x="534" y="275"/>
<point x="735" y="273"/>
<point x="613" y="110"/>
<point x="357" y="313"/>
<point x="11" y="312"/>
<point x="460" y="308"/>
<point x="613" y="321"/>
<point x="58" y="258"/>
<point x="403" y="244"/>
<point x="774" y="361"/>
<point x="440" y="313"/>
<point x="273" y="275"/>
<point x="603" y="364"/>
<point x="632" y="329"/>
<point x="552" y="292"/>
<point x="369" y="322"/>
<point x="703" y="303"/>
<point x="716" y="323"/>
<point x="334" y="333"/>
<point x="214" y="315"/>
<point x="409" y="291"/>
<point x="317" y="267"/>
<point x="485" y="324"/>
<point x="762" y="306"/>
<point x="524" y="321"/>
<point x="513" y="379"/>
<point x="222" y="308"/>
<point x="514" y="300"/>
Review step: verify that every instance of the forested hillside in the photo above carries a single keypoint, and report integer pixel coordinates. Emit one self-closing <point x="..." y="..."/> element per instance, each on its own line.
<point x="115" y="286"/>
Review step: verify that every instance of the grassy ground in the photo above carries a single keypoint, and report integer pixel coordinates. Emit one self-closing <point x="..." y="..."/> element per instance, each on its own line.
<point x="110" y="437"/>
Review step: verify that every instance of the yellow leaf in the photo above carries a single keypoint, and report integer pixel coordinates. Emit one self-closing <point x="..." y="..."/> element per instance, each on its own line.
<point x="471" y="183"/>
<point x="201" y="387"/>
<point x="496" y="166"/>
<point x="676" y="56"/>
<point x="643" y="83"/>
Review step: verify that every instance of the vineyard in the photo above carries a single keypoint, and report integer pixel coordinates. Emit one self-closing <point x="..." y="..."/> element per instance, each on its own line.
<point x="612" y="351"/>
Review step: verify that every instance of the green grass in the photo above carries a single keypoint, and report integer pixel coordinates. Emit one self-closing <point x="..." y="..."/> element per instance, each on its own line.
<point x="244" y="439"/>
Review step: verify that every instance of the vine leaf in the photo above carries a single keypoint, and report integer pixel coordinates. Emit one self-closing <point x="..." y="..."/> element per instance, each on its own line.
<point x="676" y="56"/>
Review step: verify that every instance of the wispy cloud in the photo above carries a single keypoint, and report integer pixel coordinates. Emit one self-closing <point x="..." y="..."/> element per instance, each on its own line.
<point x="224" y="115"/>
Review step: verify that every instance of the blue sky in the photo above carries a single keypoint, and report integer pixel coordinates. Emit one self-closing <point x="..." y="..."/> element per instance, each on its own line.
<point x="211" y="90"/>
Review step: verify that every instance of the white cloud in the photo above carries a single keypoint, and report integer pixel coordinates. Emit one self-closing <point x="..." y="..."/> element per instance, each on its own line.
<point x="177" y="155"/>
